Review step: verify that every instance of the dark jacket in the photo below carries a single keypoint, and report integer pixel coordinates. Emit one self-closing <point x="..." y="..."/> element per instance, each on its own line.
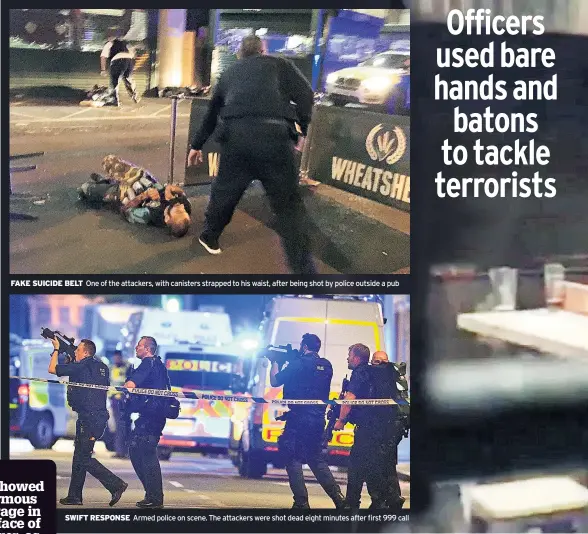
<point x="88" y="371"/>
<point x="151" y="374"/>
<point x="307" y="377"/>
<point x="258" y="86"/>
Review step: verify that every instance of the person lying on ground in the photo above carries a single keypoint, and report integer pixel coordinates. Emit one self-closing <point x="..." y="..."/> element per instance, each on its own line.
<point x="138" y="196"/>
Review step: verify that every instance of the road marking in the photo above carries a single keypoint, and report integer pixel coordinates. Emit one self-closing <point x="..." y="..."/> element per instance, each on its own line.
<point x="166" y="108"/>
<point x="85" y="110"/>
<point x="59" y="477"/>
<point x="281" y="483"/>
<point x="176" y="484"/>
<point x="204" y="497"/>
<point x="21" y="114"/>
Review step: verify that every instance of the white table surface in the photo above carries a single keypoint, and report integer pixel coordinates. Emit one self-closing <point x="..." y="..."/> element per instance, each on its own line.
<point x="558" y="332"/>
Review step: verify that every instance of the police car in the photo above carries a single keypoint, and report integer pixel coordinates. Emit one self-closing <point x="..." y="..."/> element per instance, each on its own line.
<point x="38" y="410"/>
<point x="383" y="80"/>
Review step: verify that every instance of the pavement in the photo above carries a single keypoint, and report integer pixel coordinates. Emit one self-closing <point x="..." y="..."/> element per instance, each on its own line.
<point x="350" y="234"/>
<point x="190" y="481"/>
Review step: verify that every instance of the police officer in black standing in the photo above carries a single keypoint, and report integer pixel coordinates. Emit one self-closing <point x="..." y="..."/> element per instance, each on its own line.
<point x="150" y="374"/>
<point x="376" y="434"/>
<point x="90" y="405"/>
<point x="307" y="376"/>
<point x="386" y="379"/>
<point x="254" y="99"/>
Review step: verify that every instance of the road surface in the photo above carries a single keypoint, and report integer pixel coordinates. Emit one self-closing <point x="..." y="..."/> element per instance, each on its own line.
<point x="190" y="481"/>
<point x="350" y="234"/>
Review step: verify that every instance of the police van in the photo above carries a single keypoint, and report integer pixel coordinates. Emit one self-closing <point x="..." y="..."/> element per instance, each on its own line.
<point x="202" y="426"/>
<point x="102" y="324"/>
<point x="39" y="411"/>
<point x="170" y="328"/>
<point x="339" y="322"/>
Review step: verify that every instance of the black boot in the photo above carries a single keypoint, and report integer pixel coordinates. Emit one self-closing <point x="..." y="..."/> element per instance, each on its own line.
<point x="301" y="505"/>
<point x="338" y="498"/>
<point x="69" y="501"/>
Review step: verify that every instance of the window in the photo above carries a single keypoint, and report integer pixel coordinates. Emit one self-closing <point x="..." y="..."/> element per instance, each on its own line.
<point x="44" y="315"/>
<point x="64" y="315"/>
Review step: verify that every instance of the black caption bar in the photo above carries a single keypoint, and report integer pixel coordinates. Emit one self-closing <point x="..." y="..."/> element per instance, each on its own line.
<point x="226" y="520"/>
<point x="247" y="284"/>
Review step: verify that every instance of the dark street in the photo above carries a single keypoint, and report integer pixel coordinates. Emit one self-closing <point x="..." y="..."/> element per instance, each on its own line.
<point x="350" y="234"/>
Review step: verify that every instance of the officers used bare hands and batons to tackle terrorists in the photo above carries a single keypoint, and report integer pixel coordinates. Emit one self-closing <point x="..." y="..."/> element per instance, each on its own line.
<point x="90" y="405"/>
<point x="253" y="98"/>
<point x="378" y="430"/>
<point x="151" y="374"/>
<point x="307" y="376"/>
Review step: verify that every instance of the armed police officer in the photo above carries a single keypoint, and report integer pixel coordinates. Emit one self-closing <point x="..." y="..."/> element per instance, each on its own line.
<point x="145" y="436"/>
<point x="258" y="134"/>
<point x="388" y="375"/>
<point x="307" y="376"/>
<point x="90" y="405"/>
<point x="376" y="434"/>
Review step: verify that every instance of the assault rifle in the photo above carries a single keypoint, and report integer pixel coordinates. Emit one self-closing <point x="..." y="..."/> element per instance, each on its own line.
<point x="333" y="414"/>
<point x="66" y="344"/>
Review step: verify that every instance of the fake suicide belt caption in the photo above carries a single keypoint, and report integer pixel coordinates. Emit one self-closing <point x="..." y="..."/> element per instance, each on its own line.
<point x="230" y="398"/>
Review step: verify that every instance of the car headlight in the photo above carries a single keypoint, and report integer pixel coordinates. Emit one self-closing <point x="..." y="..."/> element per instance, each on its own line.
<point x="377" y="84"/>
<point x="332" y="77"/>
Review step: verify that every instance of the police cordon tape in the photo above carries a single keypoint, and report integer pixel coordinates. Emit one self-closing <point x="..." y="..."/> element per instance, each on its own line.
<point x="230" y="398"/>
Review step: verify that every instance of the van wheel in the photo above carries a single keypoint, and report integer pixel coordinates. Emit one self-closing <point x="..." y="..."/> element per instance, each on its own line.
<point x="250" y="466"/>
<point x="164" y="453"/>
<point x="42" y="435"/>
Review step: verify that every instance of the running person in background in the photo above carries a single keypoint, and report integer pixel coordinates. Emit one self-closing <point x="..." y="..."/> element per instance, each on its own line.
<point x="122" y="61"/>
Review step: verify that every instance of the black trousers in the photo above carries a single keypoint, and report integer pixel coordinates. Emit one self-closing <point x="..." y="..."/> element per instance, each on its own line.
<point x="89" y="429"/>
<point x="373" y="461"/>
<point x="253" y="149"/>
<point x="122" y="68"/>
<point x="99" y="192"/>
<point x="300" y="444"/>
<point x="123" y="424"/>
<point x="143" y="452"/>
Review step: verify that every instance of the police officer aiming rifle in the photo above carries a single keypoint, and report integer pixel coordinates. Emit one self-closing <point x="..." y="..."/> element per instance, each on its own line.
<point x="90" y="405"/>
<point x="306" y="376"/>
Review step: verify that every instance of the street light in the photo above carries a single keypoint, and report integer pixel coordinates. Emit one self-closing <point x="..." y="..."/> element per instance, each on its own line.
<point x="171" y="304"/>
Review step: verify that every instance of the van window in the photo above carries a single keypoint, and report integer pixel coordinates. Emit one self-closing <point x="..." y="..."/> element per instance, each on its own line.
<point x="201" y="371"/>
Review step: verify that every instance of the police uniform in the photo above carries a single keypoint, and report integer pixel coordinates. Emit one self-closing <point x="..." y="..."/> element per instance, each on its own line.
<point x="118" y="376"/>
<point x="90" y="405"/>
<point x="150" y="374"/>
<point x="307" y="377"/>
<point x="253" y="98"/>
<point x="374" y="452"/>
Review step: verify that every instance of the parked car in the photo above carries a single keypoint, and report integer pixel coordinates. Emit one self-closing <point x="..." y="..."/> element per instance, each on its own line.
<point x="382" y="81"/>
